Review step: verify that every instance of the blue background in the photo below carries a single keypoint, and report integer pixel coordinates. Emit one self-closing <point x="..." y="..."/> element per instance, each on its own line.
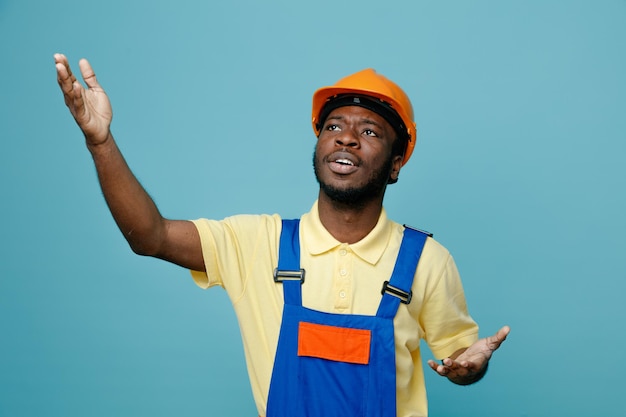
<point x="519" y="170"/>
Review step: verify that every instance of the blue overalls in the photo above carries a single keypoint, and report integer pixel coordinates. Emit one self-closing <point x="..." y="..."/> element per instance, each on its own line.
<point x="339" y="365"/>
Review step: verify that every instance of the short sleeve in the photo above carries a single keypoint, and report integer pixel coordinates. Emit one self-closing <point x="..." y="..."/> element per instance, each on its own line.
<point x="230" y="248"/>
<point x="445" y="319"/>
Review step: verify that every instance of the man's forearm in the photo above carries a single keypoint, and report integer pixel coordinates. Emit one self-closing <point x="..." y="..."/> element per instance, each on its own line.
<point x="132" y="208"/>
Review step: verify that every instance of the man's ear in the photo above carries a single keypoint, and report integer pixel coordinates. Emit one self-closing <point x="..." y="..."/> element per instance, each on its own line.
<point x="396" y="165"/>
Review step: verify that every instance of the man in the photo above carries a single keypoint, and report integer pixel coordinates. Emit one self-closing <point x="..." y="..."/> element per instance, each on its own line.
<point x="319" y="338"/>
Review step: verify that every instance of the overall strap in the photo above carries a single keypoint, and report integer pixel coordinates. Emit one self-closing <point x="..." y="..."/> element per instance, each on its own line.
<point x="288" y="271"/>
<point x="398" y="288"/>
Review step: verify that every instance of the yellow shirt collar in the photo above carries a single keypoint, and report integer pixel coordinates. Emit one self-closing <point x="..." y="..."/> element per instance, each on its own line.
<point x="318" y="240"/>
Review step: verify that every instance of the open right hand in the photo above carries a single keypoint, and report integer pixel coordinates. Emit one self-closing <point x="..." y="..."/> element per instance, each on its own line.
<point x="90" y="107"/>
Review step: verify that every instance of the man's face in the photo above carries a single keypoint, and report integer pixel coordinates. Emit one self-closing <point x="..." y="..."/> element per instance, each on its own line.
<point x="353" y="157"/>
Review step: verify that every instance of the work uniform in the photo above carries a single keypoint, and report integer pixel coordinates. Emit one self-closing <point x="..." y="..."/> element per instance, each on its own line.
<point x="241" y="252"/>
<point x="341" y="365"/>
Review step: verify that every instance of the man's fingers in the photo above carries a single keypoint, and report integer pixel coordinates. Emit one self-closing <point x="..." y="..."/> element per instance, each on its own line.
<point x="440" y="369"/>
<point x="67" y="86"/>
<point x="496" y="340"/>
<point x="78" y="102"/>
<point x="60" y="59"/>
<point x="67" y="81"/>
<point x="502" y="334"/>
<point x="88" y="74"/>
<point x="64" y="79"/>
<point x="64" y="71"/>
<point x="72" y="89"/>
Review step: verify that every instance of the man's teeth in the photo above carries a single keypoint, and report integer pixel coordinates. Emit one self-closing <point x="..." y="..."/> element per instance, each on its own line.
<point x="344" y="162"/>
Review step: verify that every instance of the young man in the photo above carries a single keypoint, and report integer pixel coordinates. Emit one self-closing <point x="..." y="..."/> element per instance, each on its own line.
<point x="331" y="307"/>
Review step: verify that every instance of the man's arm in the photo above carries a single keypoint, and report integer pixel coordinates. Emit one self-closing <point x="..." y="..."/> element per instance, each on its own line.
<point x="147" y="232"/>
<point x="469" y="365"/>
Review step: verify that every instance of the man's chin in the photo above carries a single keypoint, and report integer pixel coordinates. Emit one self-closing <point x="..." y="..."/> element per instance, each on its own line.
<point x="348" y="195"/>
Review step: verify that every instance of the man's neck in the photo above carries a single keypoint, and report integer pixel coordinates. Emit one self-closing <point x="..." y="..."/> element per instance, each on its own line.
<point x="348" y="223"/>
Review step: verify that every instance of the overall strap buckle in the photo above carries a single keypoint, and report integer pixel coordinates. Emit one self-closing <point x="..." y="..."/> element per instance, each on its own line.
<point x="281" y="275"/>
<point x="405" y="297"/>
<point x="418" y="230"/>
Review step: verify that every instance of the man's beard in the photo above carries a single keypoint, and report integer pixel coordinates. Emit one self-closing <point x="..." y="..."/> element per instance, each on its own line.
<point x="357" y="196"/>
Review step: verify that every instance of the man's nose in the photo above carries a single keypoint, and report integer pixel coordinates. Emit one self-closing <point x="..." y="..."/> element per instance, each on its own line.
<point x="348" y="138"/>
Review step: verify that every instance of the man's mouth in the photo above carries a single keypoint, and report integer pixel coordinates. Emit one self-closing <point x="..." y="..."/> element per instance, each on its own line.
<point x="344" y="162"/>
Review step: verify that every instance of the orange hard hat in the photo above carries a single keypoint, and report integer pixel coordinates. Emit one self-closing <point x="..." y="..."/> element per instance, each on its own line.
<point x="388" y="99"/>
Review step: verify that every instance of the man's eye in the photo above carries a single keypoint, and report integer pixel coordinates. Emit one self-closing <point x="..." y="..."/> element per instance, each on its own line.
<point x="332" y="127"/>
<point x="370" y="132"/>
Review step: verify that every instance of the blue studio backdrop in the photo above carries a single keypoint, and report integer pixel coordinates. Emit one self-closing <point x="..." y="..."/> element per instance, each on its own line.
<point x="519" y="171"/>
